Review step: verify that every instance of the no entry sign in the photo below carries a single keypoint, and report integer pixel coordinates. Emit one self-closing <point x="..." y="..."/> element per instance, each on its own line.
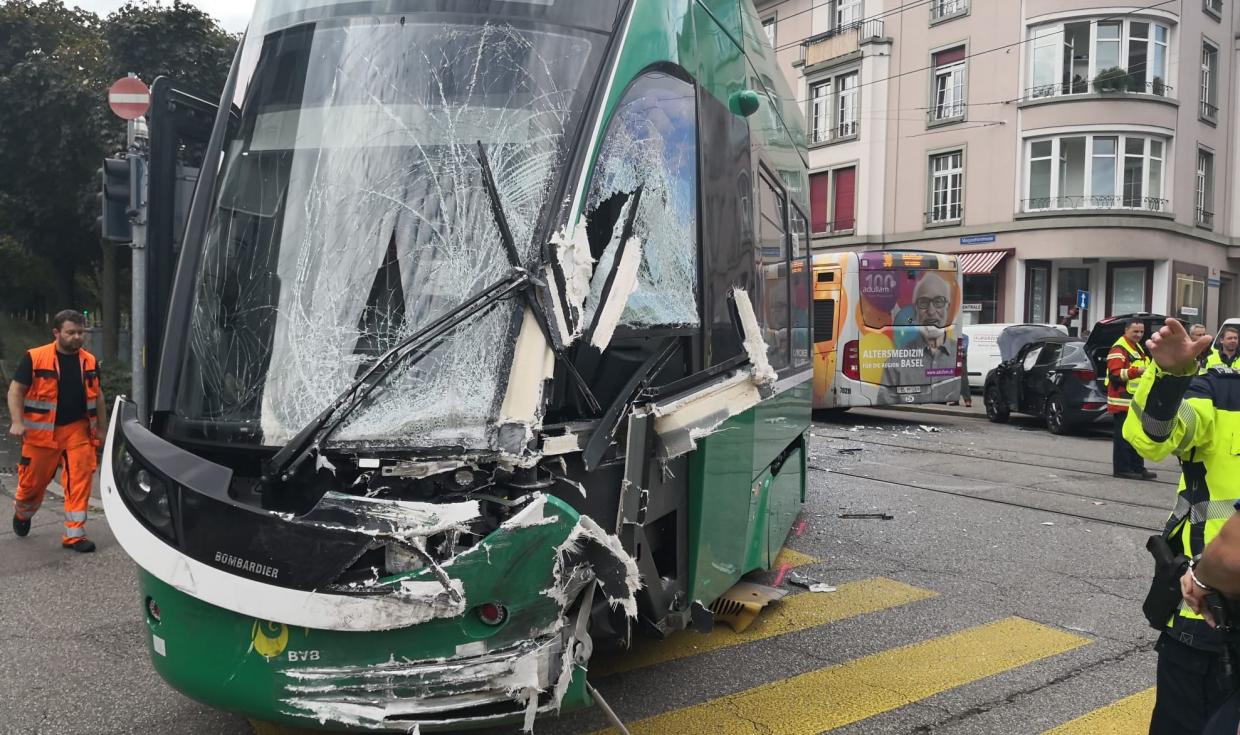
<point x="129" y="98"/>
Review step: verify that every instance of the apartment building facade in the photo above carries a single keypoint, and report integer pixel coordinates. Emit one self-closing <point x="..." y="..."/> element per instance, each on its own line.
<point x="1068" y="153"/>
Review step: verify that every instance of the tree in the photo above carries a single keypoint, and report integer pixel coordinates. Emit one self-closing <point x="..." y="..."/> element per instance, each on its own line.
<point x="50" y="60"/>
<point x="56" y="64"/>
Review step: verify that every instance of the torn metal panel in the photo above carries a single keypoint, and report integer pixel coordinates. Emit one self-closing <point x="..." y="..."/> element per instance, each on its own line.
<point x="755" y="345"/>
<point x="401" y="694"/>
<point x="616" y="299"/>
<point x="390" y="518"/>
<point x="682" y="420"/>
<point x="533" y="364"/>
<point x="615" y="571"/>
<point x="572" y="253"/>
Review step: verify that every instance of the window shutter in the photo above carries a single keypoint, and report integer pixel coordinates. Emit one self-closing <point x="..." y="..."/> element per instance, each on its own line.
<point x="950" y="56"/>
<point x="845" y="198"/>
<point x="818" y="192"/>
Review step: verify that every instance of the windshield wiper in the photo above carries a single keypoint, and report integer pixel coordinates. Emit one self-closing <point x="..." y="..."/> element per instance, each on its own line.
<point x="285" y="464"/>
<point x="510" y="245"/>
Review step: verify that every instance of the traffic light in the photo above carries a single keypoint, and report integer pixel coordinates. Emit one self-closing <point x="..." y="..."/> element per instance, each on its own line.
<point x="116" y="200"/>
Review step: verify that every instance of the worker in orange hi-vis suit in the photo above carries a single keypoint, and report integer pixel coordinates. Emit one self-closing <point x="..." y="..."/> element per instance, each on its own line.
<point x="57" y="408"/>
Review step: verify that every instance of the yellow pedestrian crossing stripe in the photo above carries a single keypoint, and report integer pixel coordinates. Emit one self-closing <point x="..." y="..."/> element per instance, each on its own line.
<point x="853" y="691"/>
<point x="1125" y="717"/>
<point x="793" y="613"/>
<point x="792" y="559"/>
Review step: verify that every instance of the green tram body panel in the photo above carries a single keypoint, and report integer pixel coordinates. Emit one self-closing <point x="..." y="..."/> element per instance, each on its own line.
<point x="739" y="510"/>
<point x="238" y="663"/>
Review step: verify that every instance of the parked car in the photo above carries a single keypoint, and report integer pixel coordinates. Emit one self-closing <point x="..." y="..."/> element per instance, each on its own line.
<point x="1045" y="373"/>
<point x="984" y="348"/>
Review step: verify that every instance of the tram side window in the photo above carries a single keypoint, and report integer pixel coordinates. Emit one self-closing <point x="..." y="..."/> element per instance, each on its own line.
<point x="651" y="144"/>
<point x="800" y="282"/>
<point x="773" y="265"/>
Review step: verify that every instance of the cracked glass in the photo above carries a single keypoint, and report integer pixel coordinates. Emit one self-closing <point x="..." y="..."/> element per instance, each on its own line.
<point x="350" y="213"/>
<point x="651" y="142"/>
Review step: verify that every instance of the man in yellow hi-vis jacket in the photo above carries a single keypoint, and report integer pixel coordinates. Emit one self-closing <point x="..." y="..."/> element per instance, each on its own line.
<point x="1196" y="418"/>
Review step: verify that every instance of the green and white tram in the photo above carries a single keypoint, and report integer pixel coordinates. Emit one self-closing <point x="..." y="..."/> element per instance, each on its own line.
<point x="487" y="344"/>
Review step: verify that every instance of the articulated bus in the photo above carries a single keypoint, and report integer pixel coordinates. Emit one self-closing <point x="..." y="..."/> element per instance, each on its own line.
<point x="486" y="345"/>
<point x="886" y="329"/>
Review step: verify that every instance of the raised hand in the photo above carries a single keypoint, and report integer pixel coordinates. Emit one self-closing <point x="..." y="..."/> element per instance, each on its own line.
<point x="1174" y="350"/>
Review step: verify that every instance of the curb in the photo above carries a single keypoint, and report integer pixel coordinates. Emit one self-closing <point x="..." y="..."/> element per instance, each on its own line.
<point x="936" y="411"/>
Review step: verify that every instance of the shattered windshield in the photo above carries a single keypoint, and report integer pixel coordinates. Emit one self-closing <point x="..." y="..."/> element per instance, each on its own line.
<point x="350" y="212"/>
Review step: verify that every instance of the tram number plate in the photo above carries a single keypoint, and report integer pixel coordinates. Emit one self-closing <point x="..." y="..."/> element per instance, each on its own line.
<point x="908" y="390"/>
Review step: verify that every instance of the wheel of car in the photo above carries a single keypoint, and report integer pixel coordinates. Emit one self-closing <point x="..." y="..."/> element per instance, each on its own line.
<point x="1053" y="412"/>
<point x="996" y="409"/>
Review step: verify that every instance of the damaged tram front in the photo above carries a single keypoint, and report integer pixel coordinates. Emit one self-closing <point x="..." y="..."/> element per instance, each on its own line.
<point x="488" y="344"/>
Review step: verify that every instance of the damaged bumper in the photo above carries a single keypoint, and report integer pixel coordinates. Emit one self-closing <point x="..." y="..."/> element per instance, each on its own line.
<point x="242" y="631"/>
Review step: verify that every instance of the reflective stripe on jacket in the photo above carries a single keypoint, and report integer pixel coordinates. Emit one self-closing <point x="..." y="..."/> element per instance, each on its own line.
<point x="39" y="406"/>
<point x="1204" y="433"/>
<point x="1123" y="362"/>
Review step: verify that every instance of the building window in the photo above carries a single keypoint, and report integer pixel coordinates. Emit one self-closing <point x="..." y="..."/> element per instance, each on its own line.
<point x="948" y="91"/>
<point x="1214" y="8"/>
<point x="946" y="187"/>
<point x="833" y="201"/>
<point x="768" y="27"/>
<point x="1209" y="82"/>
<point x="1095" y="172"/>
<point x="820" y="112"/>
<point x="833" y="107"/>
<point x="1205" y="188"/>
<point x="944" y="9"/>
<point x="1084" y="56"/>
<point x="847" y="13"/>
<point x="773" y="265"/>
<point x="1128" y="288"/>
<point x="1190" y="298"/>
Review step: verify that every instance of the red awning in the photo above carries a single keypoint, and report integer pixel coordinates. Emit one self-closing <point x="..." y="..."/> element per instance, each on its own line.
<point x="980" y="263"/>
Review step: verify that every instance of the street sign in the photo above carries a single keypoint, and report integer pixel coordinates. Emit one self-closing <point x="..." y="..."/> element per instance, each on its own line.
<point x="1082" y="299"/>
<point x="971" y="307"/>
<point x="129" y="98"/>
<point x="1190" y="311"/>
<point x="977" y="239"/>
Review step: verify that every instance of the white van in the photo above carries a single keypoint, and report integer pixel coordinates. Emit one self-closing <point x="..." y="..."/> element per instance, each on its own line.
<point x="983" y="354"/>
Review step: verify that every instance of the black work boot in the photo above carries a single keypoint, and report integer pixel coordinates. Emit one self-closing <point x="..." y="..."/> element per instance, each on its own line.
<point x="20" y="527"/>
<point x="85" y="546"/>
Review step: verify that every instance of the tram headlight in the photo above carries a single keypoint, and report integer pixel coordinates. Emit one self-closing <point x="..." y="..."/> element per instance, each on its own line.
<point x="150" y="495"/>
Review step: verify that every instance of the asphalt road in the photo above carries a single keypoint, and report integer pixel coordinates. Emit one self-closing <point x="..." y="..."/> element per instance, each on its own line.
<point x="1003" y="596"/>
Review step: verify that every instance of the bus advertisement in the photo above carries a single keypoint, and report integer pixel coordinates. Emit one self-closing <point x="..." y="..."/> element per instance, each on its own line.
<point x="886" y="329"/>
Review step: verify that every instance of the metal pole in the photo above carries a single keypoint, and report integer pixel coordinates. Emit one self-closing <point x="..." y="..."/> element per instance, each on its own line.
<point x="137" y="148"/>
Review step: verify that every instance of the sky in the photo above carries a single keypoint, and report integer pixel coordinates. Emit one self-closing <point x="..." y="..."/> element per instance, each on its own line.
<point x="232" y="14"/>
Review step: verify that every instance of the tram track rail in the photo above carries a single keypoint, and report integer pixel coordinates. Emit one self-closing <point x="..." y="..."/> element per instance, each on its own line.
<point x="997" y="501"/>
<point x="938" y="447"/>
<point x="1163" y="508"/>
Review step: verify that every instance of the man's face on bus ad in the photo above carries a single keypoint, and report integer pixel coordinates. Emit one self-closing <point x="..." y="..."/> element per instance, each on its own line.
<point x="931" y="299"/>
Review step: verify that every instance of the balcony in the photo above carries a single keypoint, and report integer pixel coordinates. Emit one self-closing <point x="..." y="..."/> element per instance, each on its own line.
<point x="946" y="112"/>
<point x="941" y="10"/>
<point x="1205" y="218"/>
<point x="1092" y="204"/>
<point x="1209" y="112"/>
<point x="841" y="41"/>
<point x="846" y="130"/>
<point x="1102" y="86"/>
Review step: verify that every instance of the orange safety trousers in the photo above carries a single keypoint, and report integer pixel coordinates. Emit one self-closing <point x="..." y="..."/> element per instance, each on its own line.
<point x="76" y="454"/>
